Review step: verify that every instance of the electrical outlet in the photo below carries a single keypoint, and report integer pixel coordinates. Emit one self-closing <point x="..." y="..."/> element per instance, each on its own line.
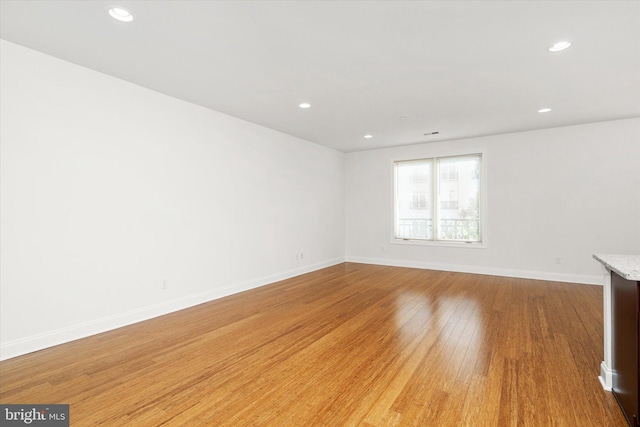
<point x="301" y="255"/>
<point x="165" y="285"/>
<point x="558" y="260"/>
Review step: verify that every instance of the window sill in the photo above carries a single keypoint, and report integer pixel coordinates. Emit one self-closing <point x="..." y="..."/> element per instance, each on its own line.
<point x="439" y="243"/>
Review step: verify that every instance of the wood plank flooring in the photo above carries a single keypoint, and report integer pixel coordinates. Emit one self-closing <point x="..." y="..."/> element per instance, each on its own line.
<point x="350" y="345"/>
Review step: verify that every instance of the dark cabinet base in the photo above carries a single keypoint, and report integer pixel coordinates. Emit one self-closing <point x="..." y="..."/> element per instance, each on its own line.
<point x="625" y="299"/>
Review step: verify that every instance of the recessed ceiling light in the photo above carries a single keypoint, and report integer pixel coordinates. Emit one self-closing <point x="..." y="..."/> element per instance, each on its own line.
<point x="368" y="136"/>
<point x="304" y="105"/>
<point x="121" y="14"/>
<point x="403" y="118"/>
<point x="544" y="110"/>
<point x="557" y="47"/>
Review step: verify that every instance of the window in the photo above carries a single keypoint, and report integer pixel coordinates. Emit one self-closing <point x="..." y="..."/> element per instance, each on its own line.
<point x="418" y="175"/>
<point x="449" y="204"/>
<point x="444" y="204"/>
<point x="448" y="172"/>
<point x="419" y="200"/>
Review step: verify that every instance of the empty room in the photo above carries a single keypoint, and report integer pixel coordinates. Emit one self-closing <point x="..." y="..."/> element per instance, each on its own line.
<point x="327" y="213"/>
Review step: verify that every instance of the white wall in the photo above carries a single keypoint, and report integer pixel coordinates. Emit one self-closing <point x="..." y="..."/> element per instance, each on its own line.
<point x="108" y="189"/>
<point x="556" y="193"/>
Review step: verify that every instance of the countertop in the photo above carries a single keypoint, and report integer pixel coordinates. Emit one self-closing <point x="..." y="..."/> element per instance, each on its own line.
<point x="627" y="266"/>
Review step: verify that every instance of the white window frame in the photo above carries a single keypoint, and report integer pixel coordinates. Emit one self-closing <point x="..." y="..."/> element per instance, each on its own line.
<point x="483" y="243"/>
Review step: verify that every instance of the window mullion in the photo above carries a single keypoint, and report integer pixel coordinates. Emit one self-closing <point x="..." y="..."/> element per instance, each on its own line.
<point x="435" y="171"/>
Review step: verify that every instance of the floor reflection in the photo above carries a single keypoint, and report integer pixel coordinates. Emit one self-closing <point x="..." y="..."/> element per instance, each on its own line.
<point x="457" y="321"/>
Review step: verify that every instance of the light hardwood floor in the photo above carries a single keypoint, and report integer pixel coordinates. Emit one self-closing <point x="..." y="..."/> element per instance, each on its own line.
<point x="350" y="345"/>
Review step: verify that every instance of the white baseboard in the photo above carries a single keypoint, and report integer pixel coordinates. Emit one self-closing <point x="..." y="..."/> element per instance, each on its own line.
<point x="492" y="271"/>
<point x="33" y="343"/>
<point x="606" y="376"/>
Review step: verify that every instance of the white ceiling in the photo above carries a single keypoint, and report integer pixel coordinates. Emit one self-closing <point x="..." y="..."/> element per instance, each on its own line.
<point x="462" y="68"/>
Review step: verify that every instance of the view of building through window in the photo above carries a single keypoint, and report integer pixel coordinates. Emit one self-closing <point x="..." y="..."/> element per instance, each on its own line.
<point x="438" y="199"/>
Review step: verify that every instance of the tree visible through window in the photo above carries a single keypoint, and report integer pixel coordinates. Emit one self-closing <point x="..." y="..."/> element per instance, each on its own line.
<point x="438" y="199"/>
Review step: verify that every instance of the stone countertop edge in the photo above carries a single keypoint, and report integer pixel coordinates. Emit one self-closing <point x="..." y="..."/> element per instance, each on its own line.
<point x="627" y="266"/>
